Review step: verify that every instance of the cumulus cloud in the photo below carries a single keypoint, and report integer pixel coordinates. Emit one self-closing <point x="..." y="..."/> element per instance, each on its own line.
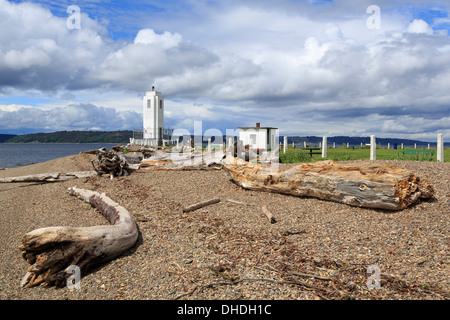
<point x="419" y="26"/>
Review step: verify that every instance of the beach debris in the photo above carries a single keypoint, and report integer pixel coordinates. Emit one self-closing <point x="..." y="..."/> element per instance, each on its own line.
<point x="362" y="184"/>
<point x="201" y="204"/>
<point x="268" y="214"/>
<point x="237" y="202"/>
<point x="114" y="164"/>
<point x="49" y="177"/>
<point x="53" y="251"/>
<point x="161" y="160"/>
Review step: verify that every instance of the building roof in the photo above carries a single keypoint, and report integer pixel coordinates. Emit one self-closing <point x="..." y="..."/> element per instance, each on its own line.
<point x="256" y="128"/>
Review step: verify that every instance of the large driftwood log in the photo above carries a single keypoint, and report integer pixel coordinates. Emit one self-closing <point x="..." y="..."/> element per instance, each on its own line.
<point x="51" y="251"/>
<point x="365" y="184"/>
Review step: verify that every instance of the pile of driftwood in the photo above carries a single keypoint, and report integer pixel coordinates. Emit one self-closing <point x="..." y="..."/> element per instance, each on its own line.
<point x="114" y="164"/>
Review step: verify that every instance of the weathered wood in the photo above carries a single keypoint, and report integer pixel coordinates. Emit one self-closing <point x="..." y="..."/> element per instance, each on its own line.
<point x="268" y="214"/>
<point x="111" y="163"/>
<point x="50" y="251"/>
<point x="183" y="161"/>
<point x="49" y="177"/>
<point x="237" y="202"/>
<point x="362" y="184"/>
<point x="201" y="205"/>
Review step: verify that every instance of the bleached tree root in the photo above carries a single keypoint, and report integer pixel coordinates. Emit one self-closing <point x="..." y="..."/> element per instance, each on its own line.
<point x="50" y="251"/>
<point x="365" y="184"/>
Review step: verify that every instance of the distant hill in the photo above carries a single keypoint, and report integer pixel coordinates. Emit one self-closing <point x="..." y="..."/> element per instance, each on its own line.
<point x="74" y="137"/>
<point x="6" y="137"/>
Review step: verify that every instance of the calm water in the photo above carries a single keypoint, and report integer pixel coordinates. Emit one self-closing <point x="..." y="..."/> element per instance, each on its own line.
<point x="20" y="154"/>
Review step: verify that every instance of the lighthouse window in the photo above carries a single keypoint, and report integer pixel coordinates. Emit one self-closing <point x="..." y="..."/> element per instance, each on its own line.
<point x="148" y="104"/>
<point x="160" y="104"/>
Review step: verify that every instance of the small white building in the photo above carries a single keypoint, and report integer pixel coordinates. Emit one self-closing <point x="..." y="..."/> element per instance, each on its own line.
<point x="153" y="113"/>
<point x="258" y="137"/>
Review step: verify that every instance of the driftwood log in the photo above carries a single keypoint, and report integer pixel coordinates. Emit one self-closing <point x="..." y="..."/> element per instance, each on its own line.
<point x="50" y="177"/>
<point x="183" y="161"/>
<point x="51" y="251"/>
<point x="364" y="184"/>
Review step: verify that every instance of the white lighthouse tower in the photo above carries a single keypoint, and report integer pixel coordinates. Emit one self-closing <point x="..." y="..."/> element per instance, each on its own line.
<point x="153" y="111"/>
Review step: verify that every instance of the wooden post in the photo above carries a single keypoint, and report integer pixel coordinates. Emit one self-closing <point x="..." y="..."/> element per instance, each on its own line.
<point x="293" y="144"/>
<point x="440" y="147"/>
<point x="209" y="144"/>
<point x="389" y="145"/>
<point x="348" y="145"/>
<point x="415" y="145"/>
<point x="178" y="143"/>
<point x="304" y="144"/>
<point x="285" y="142"/>
<point x="334" y="145"/>
<point x="373" y="147"/>
<point x="324" y="147"/>
<point x="402" y="145"/>
<point x="428" y="146"/>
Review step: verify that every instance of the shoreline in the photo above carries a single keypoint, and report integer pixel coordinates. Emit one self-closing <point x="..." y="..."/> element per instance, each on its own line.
<point x="181" y="254"/>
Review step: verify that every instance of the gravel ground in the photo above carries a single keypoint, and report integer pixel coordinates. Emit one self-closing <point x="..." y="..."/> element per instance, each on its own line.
<point x="316" y="249"/>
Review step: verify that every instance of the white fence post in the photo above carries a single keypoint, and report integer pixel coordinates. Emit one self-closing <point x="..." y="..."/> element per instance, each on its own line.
<point x="324" y="147"/>
<point x="402" y="145"/>
<point x="285" y="144"/>
<point x="373" y="147"/>
<point x="304" y="144"/>
<point x="440" y="147"/>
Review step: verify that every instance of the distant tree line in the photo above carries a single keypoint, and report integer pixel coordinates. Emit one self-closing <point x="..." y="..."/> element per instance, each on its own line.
<point x="74" y="137"/>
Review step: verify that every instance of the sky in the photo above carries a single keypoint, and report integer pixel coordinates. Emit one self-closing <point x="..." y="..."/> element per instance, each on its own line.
<point x="307" y="67"/>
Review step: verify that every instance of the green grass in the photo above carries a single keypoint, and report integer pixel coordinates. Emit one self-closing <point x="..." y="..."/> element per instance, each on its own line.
<point x="296" y="155"/>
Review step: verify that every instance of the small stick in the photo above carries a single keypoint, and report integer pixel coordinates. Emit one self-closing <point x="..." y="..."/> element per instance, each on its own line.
<point x="268" y="214"/>
<point x="237" y="202"/>
<point x="200" y="205"/>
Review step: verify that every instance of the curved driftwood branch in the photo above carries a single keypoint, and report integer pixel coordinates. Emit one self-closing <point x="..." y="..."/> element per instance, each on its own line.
<point x="50" y="251"/>
<point x="363" y="184"/>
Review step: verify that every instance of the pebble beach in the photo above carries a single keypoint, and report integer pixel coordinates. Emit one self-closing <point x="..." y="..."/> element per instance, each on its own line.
<point x="316" y="250"/>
